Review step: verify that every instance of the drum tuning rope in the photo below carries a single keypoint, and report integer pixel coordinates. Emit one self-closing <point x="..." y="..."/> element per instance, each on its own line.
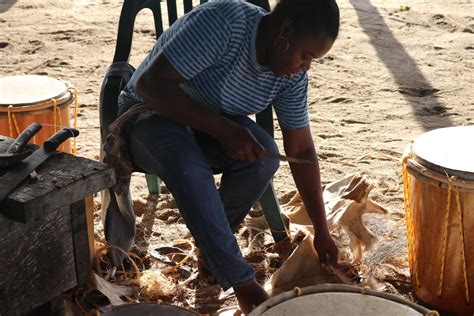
<point x="463" y="252"/>
<point x="445" y="237"/>
<point x="297" y="291"/>
<point x="365" y="290"/>
<point x="73" y="90"/>
<point x="12" y="121"/>
<point x="446" y="234"/>
<point x="56" y="114"/>
<point x="407" y="181"/>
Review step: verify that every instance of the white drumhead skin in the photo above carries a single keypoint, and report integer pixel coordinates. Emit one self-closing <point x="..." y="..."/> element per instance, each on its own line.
<point x="340" y="303"/>
<point x="31" y="89"/>
<point x="451" y="148"/>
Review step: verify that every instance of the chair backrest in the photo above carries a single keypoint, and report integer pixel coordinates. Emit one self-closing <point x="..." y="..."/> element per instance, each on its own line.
<point x="120" y="71"/>
<point x="130" y="10"/>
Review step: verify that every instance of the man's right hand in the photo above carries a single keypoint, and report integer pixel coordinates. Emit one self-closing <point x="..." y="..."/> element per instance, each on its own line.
<point x="326" y="248"/>
<point x="239" y="143"/>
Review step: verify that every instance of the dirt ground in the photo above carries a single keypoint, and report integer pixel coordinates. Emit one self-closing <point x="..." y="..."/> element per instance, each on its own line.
<point x="398" y="69"/>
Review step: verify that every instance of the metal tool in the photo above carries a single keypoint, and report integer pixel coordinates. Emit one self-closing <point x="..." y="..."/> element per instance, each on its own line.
<point x="14" y="177"/>
<point x="285" y="158"/>
<point x="14" y="153"/>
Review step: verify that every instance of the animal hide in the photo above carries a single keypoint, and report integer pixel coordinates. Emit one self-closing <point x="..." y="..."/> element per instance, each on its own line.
<point x="345" y="201"/>
<point x="301" y="269"/>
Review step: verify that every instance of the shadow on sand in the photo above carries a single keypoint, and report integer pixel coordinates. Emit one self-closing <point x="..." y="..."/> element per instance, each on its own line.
<point x="414" y="86"/>
<point x="6" y="4"/>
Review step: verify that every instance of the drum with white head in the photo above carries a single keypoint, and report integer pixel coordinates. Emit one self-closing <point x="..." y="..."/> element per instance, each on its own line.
<point x="438" y="176"/>
<point x="34" y="98"/>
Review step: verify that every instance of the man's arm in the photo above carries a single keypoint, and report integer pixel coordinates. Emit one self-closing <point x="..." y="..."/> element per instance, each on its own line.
<point x="159" y="84"/>
<point x="299" y="144"/>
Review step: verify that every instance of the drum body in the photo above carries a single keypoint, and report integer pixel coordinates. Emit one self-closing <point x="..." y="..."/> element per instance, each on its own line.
<point x="336" y="299"/>
<point x="41" y="99"/>
<point x="439" y="204"/>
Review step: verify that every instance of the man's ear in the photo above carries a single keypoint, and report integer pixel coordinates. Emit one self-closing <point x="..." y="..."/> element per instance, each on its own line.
<point x="287" y="28"/>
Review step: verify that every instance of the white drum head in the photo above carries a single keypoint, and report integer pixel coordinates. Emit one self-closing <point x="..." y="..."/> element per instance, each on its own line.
<point x="340" y="303"/>
<point x="336" y="300"/>
<point x="28" y="90"/>
<point x="447" y="151"/>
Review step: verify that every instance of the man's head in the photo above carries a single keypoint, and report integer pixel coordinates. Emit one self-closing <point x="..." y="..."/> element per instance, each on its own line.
<point x="306" y="29"/>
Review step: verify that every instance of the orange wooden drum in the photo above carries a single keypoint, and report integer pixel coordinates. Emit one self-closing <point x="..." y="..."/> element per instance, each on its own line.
<point x="438" y="174"/>
<point x="33" y="98"/>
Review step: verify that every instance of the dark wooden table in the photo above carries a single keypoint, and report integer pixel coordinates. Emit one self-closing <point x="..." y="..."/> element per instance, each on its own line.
<point x="44" y="242"/>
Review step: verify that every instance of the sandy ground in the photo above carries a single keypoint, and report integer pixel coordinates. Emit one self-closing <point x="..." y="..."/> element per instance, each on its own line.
<point x="392" y="75"/>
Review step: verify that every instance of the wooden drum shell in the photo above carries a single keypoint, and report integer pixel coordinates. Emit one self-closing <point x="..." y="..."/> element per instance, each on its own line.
<point x="428" y="202"/>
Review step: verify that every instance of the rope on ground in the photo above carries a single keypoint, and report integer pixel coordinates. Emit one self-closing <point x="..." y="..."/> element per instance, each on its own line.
<point x="185" y="259"/>
<point x="108" y="246"/>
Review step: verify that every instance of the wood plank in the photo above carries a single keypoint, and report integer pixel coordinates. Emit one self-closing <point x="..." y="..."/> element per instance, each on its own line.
<point x="90" y="225"/>
<point x="36" y="261"/>
<point x="63" y="180"/>
<point x="81" y="242"/>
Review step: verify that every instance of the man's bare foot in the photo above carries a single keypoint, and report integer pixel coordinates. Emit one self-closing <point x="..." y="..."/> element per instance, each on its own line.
<point x="250" y="296"/>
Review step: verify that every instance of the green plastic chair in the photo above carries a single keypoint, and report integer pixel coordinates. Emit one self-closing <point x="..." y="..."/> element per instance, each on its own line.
<point x="120" y="71"/>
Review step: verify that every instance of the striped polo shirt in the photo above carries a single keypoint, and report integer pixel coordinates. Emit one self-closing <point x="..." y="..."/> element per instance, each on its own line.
<point x="214" y="48"/>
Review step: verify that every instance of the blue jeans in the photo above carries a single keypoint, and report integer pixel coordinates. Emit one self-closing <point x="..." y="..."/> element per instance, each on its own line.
<point x="186" y="160"/>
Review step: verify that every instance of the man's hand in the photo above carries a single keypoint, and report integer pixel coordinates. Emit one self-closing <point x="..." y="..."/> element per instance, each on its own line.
<point x="239" y="143"/>
<point x="326" y="248"/>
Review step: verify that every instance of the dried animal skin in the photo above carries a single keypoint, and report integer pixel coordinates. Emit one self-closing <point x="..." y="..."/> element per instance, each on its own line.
<point x="113" y="292"/>
<point x="345" y="200"/>
<point x="301" y="269"/>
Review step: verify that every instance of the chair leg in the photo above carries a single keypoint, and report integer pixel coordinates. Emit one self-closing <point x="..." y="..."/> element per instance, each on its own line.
<point x="272" y="211"/>
<point x="153" y="183"/>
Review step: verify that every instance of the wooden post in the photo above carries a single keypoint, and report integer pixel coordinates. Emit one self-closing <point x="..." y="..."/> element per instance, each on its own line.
<point x="90" y="225"/>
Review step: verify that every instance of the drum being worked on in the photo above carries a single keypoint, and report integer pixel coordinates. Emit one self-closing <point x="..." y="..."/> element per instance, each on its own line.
<point x="33" y="98"/>
<point x="438" y="176"/>
<point x="335" y="300"/>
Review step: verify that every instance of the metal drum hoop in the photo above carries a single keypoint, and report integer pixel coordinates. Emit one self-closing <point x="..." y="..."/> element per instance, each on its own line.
<point x="130" y="309"/>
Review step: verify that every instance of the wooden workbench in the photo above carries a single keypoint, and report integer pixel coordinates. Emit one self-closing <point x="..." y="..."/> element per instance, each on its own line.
<point x="44" y="242"/>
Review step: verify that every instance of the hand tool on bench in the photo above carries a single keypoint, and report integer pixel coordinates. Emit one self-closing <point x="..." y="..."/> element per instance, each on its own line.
<point x="14" y="153"/>
<point x="10" y="180"/>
